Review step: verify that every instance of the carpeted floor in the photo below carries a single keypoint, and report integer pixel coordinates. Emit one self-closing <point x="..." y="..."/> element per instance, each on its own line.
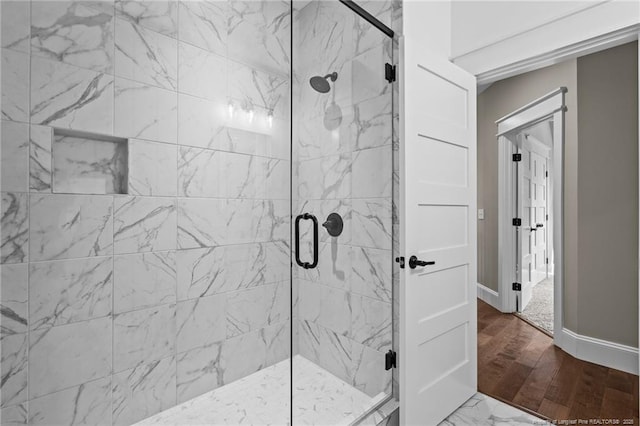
<point x="540" y="309"/>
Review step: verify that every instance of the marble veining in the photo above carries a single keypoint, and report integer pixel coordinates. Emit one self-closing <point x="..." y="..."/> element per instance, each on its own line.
<point x="70" y="226"/>
<point x="145" y="56"/>
<point x="40" y="159"/>
<point x="67" y="291"/>
<point x="160" y="16"/>
<point x="15" y="85"/>
<point x="144" y="224"/>
<point x="88" y="403"/>
<point x="483" y="410"/>
<point x="204" y="24"/>
<point x="15" y="150"/>
<point x="73" y="33"/>
<point x="13" y="298"/>
<point x="14" y="220"/>
<point x="13" y="355"/>
<point x="15" y="26"/>
<point x="70" y="97"/>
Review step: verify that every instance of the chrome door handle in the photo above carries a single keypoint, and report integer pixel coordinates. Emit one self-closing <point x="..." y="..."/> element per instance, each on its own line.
<point x="414" y="262"/>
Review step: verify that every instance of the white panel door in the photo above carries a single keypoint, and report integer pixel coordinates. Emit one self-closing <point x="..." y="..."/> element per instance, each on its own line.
<point x="526" y="212"/>
<point x="438" y="365"/>
<point x="539" y="209"/>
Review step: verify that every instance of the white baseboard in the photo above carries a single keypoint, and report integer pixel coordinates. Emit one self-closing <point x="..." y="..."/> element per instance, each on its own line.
<point x="488" y="296"/>
<point x="601" y="352"/>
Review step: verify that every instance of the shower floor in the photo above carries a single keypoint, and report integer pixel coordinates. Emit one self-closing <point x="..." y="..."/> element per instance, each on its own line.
<point x="262" y="398"/>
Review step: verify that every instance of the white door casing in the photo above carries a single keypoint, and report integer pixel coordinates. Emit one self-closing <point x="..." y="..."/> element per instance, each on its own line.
<point x="550" y="106"/>
<point x="438" y="356"/>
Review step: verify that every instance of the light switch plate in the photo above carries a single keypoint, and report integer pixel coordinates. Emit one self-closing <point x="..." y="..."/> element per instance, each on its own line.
<point x="480" y="214"/>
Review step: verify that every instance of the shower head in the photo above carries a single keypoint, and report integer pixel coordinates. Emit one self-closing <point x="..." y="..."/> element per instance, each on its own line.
<point x="320" y="84"/>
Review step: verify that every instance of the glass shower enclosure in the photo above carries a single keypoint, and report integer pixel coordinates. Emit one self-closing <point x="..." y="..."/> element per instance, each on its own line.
<point x="197" y="211"/>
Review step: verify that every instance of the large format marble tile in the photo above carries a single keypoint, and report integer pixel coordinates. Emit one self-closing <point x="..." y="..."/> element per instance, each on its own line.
<point x="16" y="414"/>
<point x="73" y="33"/>
<point x="145" y="112"/>
<point x="15" y="85"/>
<point x="87" y="404"/>
<point x="201" y="222"/>
<point x="144" y="224"/>
<point x="14" y="225"/>
<point x="204" y="24"/>
<point x="368" y="75"/>
<point x="69" y="226"/>
<point x="144" y="280"/>
<point x="371" y="322"/>
<point x="325" y="178"/>
<point x="254" y="88"/>
<point x="202" y="122"/>
<point x="202" y="73"/>
<point x="371" y="173"/>
<point x="14" y="294"/>
<point x="14" y="367"/>
<point x="326" y="348"/>
<point x="255" y="308"/>
<point x="54" y="355"/>
<point x="67" y="96"/>
<point x="243" y="355"/>
<point x="144" y="391"/>
<point x="371" y="126"/>
<point x="41" y="139"/>
<point x="160" y="16"/>
<point x="198" y="371"/>
<point x="67" y="291"/>
<point x="259" y="33"/>
<point x="371" y="273"/>
<point x="216" y="270"/>
<point x="152" y="168"/>
<point x="201" y="322"/>
<point x="372" y="223"/>
<point x="143" y="336"/>
<point x="369" y="374"/>
<point x="14" y="148"/>
<point x="146" y="56"/>
<point x="15" y="27"/>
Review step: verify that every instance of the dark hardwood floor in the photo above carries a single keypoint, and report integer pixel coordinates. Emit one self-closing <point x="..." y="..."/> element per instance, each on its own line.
<point x="519" y="365"/>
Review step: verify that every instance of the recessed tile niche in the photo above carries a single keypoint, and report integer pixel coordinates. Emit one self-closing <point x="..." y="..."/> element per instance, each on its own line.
<point x="87" y="163"/>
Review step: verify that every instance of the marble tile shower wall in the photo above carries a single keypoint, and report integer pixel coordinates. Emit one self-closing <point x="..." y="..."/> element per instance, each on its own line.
<point x="115" y="307"/>
<point x="344" y="311"/>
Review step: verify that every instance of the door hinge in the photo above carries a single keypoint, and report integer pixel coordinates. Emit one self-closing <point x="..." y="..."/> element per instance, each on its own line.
<point x="516" y="221"/>
<point x="547" y="260"/>
<point x="516" y="287"/>
<point x="517" y="157"/>
<point x="390" y="72"/>
<point x="547" y="217"/>
<point x="546" y="174"/>
<point x="390" y="360"/>
<point x="400" y="260"/>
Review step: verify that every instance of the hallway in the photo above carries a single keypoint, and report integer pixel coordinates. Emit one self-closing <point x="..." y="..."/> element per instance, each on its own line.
<point x="519" y="364"/>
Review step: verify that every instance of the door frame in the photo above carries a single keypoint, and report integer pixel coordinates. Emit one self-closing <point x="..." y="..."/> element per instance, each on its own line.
<point x="549" y="106"/>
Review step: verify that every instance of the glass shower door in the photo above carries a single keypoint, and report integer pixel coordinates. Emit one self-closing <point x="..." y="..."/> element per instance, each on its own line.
<point x="342" y="210"/>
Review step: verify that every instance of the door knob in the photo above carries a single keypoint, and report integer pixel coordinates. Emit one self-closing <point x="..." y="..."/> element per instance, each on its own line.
<point x="414" y="261"/>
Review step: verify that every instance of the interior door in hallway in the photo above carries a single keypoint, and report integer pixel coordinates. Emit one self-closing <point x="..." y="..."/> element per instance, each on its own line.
<point x="525" y="232"/>
<point x="538" y="217"/>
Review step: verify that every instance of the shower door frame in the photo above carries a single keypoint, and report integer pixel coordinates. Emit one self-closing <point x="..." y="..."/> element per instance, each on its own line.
<point x="390" y="75"/>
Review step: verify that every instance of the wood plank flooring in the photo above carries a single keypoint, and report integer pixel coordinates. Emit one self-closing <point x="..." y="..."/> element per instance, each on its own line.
<point x="519" y="365"/>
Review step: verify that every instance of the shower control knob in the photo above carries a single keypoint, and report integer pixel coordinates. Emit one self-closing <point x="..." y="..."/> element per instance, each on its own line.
<point x="414" y="262"/>
<point x="334" y="224"/>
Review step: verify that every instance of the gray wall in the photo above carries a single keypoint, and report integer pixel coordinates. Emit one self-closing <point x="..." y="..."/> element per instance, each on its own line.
<point x="608" y="194"/>
<point x="581" y="285"/>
